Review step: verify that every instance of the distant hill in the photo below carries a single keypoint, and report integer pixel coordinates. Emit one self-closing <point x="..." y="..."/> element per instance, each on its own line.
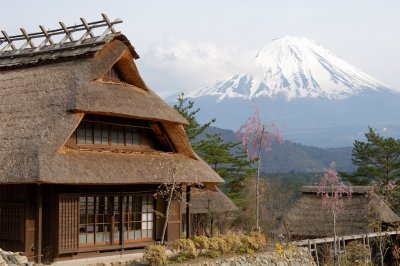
<point x="292" y="157"/>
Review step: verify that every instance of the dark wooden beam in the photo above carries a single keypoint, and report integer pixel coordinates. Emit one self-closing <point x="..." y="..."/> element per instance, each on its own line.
<point x="188" y="214"/>
<point x="39" y="223"/>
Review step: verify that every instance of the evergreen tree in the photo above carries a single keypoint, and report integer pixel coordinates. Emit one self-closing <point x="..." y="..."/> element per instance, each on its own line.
<point x="185" y="108"/>
<point x="378" y="163"/>
<point x="377" y="159"/>
<point x="228" y="159"/>
<point x="240" y="170"/>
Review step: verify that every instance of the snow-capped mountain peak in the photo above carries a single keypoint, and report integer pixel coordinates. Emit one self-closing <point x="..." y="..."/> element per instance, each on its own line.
<point x="294" y="67"/>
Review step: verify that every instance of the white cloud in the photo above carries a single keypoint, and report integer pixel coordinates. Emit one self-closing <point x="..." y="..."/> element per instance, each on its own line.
<point x="179" y="65"/>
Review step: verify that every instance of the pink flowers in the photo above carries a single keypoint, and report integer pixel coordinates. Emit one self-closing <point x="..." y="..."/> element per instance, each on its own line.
<point x="391" y="185"/>
<point x="256" y="135"/>
<point x="332" y="189"/>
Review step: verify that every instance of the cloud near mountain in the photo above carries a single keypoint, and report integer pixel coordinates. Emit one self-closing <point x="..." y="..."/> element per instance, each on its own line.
<point x="184" y="65"/>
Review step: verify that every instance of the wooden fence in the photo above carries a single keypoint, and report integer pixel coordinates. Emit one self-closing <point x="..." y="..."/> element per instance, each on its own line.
<point x="341" y="242"/>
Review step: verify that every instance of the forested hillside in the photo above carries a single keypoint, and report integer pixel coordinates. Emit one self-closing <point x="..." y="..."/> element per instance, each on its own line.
<point x="292" y="157"/>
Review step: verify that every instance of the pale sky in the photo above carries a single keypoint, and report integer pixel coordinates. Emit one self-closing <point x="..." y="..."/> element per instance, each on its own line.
<point x="183" y="43"/>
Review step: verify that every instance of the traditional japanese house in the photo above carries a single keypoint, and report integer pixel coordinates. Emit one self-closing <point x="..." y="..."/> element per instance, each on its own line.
<point x="84" y="145"/>
<point x="363" y="213"/>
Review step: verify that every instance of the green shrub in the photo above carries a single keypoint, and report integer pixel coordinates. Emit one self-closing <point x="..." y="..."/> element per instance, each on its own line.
<point x="155" y="255"/>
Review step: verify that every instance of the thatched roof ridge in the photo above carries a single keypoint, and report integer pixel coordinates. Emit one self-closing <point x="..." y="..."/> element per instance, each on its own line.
<point x="308" y="217"/>
<point x="209" y="201"/>
<point x="66" y="51"/>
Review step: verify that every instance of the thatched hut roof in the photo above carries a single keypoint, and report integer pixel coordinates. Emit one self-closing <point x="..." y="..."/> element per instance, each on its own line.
<point x="309" y="218"/>
<point x="45" y="95"/>
<point x="209" y="200"/>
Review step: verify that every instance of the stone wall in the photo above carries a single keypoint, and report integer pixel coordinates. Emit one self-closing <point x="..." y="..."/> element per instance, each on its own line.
<point x="298" y="257"/>
<point x="8" y="258"/>
<point x="287" y="258"/>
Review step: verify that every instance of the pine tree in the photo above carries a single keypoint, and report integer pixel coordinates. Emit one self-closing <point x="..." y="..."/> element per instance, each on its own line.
<point x="185" y="108"/>
<point x="377" y="159"/>
<point x="216" y="152"/>
<point x="378" y="164"/>
<point x="228" y="159"/>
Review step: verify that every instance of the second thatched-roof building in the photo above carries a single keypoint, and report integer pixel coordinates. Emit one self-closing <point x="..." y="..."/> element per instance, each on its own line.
<point x="364" y="212"/>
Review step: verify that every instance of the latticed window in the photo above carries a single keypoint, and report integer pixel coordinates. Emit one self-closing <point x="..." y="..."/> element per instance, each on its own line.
<point x="114" y="74"/>
<point x="102" y="133"/>
<point x="100" y="219"/>
<point x="86" y="220"/>
<point x="120" y="133"/>
<point x="138" y="217"/>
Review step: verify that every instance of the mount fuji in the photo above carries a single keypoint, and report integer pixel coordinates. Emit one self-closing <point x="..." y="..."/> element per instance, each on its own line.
<point x="318" y="98"/>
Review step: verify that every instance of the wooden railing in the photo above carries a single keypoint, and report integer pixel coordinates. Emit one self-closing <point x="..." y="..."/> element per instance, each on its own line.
<point x="341" y="242"/>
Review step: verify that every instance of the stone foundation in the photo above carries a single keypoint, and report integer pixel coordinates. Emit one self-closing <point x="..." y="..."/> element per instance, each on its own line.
<point x="8" y="258"/>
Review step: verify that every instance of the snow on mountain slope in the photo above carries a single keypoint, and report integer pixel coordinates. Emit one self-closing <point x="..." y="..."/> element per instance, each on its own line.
<point x="295" y="67"/>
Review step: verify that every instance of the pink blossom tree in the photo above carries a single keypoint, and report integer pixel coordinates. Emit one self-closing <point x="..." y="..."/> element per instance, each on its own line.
<point x="332" y="189"/>
<point x="257" y="136"/>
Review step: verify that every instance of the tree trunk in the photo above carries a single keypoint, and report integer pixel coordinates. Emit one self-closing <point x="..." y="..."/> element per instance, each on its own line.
<point x="335" y="256"/>
<point x="167" y="212"/>
<point x="258" y="197"/>
<point x="380" y="245"/>
<point x="258" y="182"/>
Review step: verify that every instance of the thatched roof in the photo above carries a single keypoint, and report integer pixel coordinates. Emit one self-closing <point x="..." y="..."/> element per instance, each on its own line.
<point x="43" y="98"/>
<point x="209" y="200"/>
<point x="308" y="217"/>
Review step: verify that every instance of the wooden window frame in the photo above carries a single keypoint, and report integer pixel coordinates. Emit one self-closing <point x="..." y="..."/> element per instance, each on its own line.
<point x="150" y="231"/>
<point x="143" y="142"/>
<point x="121" y="220"/>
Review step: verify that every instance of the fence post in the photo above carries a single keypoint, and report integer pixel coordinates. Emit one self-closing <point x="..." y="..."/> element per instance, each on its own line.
<point x="316" y="252"/>
<point x="369" y="248"/>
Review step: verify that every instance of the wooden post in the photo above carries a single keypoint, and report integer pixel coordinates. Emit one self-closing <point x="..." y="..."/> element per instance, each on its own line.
<point x="188" y="198"/>
<point x="369" y="248"/>
<point x="344" y="244"/>
<point x="316" y="252"/>
<point x="338" y="250"/>
<point x="39" y="223"/>
<point x="364" y="258"/>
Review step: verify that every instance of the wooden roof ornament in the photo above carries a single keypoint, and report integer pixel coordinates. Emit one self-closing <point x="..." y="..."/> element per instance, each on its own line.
<point x="8" y="46"/>
<point x="67" y="41"/>
<point x="50" y="81"/>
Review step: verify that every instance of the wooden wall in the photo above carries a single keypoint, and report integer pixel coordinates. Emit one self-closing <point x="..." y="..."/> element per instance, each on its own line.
<point x="19" y="198"/>
<point x="23" y="198"/>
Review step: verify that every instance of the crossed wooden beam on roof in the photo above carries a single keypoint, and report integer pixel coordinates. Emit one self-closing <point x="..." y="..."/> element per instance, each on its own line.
<point x="47" y="35"/>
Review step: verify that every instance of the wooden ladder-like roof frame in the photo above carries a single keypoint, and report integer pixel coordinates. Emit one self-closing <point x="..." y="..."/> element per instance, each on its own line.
<point x="8" y="46"/>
